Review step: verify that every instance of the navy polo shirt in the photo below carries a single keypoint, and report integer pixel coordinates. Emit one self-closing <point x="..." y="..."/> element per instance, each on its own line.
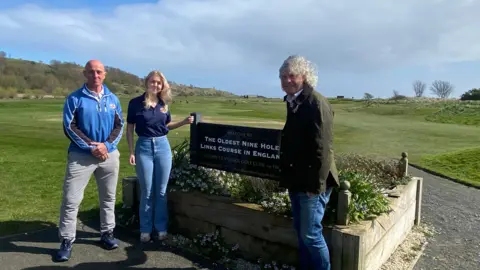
<point x="151" y="122"/>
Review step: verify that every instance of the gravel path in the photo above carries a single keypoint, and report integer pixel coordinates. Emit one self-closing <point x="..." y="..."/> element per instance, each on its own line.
<point x="454" y="212"/>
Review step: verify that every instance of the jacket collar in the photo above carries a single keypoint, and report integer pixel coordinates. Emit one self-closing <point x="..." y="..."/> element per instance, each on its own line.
<point x="106" y="91"/>
<point x="307" y="90"/>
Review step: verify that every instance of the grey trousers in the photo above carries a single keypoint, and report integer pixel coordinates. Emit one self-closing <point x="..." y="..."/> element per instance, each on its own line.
<point x="80" y="168"/>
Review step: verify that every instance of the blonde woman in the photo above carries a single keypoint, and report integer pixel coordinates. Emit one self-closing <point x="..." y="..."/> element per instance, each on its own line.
<point x="149" y="116"/>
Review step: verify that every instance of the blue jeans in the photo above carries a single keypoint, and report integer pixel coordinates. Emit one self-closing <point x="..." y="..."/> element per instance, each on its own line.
<point x="307" y="220"/>
<point x="153" y="157"/>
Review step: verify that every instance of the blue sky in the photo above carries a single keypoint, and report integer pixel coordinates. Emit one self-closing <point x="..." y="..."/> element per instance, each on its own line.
<point x="238" y="45"/>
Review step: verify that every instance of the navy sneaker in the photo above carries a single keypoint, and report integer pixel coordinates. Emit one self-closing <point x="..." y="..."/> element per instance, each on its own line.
<point x="109" y="241"/>
<point x="65" y="251"/>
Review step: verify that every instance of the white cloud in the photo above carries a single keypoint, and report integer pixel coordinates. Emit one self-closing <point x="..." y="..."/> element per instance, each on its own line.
<point x="245" y="36"/>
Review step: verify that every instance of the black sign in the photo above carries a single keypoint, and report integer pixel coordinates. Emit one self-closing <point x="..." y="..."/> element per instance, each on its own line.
<point x="244" y="150"/>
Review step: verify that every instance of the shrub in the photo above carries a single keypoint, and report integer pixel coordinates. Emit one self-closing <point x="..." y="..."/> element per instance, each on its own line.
<point x="7" y="93"/>
<point x="465" y="113"/>
<point x="383" y="172"/>
<point x="473" y="94"/>
<point x="368" y="178"/>
<point x="213" y="246"/>
<point x="367" y="201"/>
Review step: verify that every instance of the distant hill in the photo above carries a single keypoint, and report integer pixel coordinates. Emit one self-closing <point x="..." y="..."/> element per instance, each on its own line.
<point x="18" y="76"/>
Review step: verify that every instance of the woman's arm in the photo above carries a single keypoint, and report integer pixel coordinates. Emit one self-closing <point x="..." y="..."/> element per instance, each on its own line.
<point x="130" y="128"/>
<point x="187" y="120"/>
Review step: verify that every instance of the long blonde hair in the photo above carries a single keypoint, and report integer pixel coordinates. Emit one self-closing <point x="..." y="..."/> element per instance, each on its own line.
<point x="165" y="94"/>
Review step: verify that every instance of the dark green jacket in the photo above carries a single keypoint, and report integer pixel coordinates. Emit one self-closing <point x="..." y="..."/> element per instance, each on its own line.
<point x="306" y="148"/>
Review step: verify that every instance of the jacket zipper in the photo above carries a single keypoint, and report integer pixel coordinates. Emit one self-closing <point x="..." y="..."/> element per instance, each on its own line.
<point x="99" y="105"/>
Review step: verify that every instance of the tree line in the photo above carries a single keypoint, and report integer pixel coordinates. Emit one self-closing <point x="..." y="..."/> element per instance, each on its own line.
<point x="439" y="88"/>
<point x="443" y="89"/>
<point x="57" y="78"/>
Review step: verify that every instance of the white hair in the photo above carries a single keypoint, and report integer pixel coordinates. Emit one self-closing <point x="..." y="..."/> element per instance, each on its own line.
<point x="299" y="65"/>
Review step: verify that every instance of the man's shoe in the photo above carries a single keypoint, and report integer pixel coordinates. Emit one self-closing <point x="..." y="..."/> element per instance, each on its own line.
<point x="109" y="241"/>
<point x="65" y="251"/>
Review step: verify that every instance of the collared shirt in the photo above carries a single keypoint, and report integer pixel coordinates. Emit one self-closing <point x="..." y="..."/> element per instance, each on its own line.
<point x="98" y="96"/>
<point x="149" y="122"/>
<point x="291" y="98"/>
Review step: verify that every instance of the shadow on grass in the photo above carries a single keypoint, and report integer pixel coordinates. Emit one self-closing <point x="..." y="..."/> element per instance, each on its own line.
<point x="43" y="240"/>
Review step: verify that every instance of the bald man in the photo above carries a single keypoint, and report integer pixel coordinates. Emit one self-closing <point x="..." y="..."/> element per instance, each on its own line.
<point x="92" y="120"/>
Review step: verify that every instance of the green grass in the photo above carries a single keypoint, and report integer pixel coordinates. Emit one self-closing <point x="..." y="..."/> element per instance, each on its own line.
<point x="468" y="114"/>
<point x="33" y="146"/>
<point x="462" y="165"/>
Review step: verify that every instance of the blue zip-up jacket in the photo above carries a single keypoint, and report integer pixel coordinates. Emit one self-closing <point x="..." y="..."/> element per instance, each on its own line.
<point x="88" y="119"/>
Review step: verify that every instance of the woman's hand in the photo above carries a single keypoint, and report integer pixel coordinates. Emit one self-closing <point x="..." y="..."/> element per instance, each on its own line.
<point x="132" y="159"/>
<point x="188" y="120"/>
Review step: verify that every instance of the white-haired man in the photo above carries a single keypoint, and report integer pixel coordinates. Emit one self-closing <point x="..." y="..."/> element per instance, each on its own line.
<point x="306" y="158"/>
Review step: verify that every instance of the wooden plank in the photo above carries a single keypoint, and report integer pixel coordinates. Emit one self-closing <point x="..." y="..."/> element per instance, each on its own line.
<point x="353" y="252"/>
<point x="408" y="195"/>
<point x="254" y="248"/>
<point x="374" y="230"/>
<point x="336" y="249"/>
<point x="419" y="195"/>
<point x="226" y="214"/>
<point x="380" y="253"/>
<point x="382" y="225"/>
<point x="191" y="227"/>
<point x="129" y="189"/>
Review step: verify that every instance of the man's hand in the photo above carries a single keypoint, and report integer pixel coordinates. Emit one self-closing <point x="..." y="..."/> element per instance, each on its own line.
<point x="104" y="157"/>
<point x="100" y="151"/>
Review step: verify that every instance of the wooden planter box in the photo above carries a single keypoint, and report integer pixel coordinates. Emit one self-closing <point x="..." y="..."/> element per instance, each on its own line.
<point x="369" y="244"/>
<point x="366" y="245"/>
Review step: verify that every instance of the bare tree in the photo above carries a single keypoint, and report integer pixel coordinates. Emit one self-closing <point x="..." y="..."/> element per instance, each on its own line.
<point x="442" y="89"/>
<point x="419" y="88"/>
<point x="367" y="96"/>
<point x="397" y="96"/>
